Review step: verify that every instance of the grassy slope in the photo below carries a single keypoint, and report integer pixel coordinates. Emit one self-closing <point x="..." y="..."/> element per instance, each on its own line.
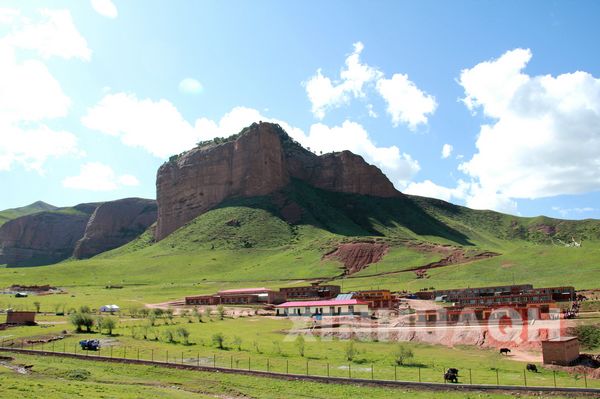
<point x="9" y="214"/>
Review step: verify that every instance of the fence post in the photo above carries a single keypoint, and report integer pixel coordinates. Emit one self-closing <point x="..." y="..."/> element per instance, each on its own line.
<point x="214" y="361"/>
<point x="419" y="368"/>
<point x="111" y="352"/>
<point x="585" y="378"/>
<point x="198" y="359"/>
<point x="182" y="357"/>
<point x="307" y="367"/>
<point x="138" y="353"/>
<point x="470" y="377"/>
<point x="124" y="352"/>
<point x="249" y="368"/>
<point x="327" y="369"/>
<point x="65" y="347"/>
<point x="287" y="366"/>
<point x="349" y="370"/>
<point x="372" y="372"/>
<point x="554" y="375"/>
<point x="268" y="368"/>
<point x="497" y="378"/>
<point x="444" y="375"/>
<point x="525" y="377"/>
<point x="231" y="362"/>
<point x="167" y="357"/>
<point x="395" y="373"/>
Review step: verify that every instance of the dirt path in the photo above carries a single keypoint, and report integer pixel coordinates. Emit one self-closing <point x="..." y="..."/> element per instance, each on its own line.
<point x="524" y="356"/>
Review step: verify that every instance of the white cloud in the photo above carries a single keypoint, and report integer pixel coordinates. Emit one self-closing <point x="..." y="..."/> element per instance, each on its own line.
<point x="53" y="34"/>
<point x="156" y="126"/>
<point x="544" y="136"/>
<point x="190" y="86"/>
<point x="96" y="176"/>
<point x="105" y="8"/>
<point x="406" y="103"/>
<point x="325" y="94"/>
<point x="447" y="150"/>
<point x="29" y="93"/>
<point x="564" y="212"/>
<point x="427" y="188"/>
<point x="32" y="147"/>
<point x="471" y="193"/>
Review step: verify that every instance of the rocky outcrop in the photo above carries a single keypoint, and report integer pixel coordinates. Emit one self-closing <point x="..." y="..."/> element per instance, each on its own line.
<point x="41" y="238"/>
<point x="259" y="161"/>
<point x="115" y="223"/>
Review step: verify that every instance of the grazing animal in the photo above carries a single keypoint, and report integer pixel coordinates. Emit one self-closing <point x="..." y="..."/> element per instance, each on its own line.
<point x="504" y="351"/>
<point x="453" y="371"/>
<point x="532" y="367"/>
<point x="448" y="376"/>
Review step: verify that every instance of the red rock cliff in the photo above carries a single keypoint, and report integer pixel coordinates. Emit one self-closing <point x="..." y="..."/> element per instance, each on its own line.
<point x="42" y="238"/>
<point x="259" y="161"/>
<point x="115" y="223"/>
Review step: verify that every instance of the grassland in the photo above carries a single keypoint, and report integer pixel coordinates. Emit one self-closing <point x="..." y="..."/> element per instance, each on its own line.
<point x="265" y="344"/>
<point x="9" y="214"/>
<point x="65" y="378"/>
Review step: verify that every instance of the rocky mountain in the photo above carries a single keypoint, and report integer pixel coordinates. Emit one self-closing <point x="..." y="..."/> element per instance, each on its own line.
<point x="115" y="223"/>
<point x="260" y="160"/>
<point x="82" y="231"/>
<point x="43" y="237"/>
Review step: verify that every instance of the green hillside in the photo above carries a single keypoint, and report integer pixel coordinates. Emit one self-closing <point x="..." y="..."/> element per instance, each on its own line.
<point x="38" y="206"/>
<point x="256" y="242"/>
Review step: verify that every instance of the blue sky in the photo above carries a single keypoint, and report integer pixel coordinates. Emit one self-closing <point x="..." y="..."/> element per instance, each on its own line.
<point x="98" y="94"/>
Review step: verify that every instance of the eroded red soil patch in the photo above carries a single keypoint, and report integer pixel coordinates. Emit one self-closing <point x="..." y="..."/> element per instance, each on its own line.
<point x="357" y="255"/>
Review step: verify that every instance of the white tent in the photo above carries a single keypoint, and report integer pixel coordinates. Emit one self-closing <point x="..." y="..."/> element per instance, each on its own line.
<point x="109" y="308"/>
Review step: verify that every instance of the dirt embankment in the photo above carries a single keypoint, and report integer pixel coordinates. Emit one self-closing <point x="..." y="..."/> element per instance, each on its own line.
<point x="452" y="255"/>
<point x="357" y="255"/>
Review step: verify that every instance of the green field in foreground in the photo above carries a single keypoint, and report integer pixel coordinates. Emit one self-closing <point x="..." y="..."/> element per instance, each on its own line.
<point x="266" y="343"/>
<point x="62" y="378"/>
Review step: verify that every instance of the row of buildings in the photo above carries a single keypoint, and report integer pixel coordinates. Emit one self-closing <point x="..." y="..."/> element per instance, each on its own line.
<point x="323" y="300"/>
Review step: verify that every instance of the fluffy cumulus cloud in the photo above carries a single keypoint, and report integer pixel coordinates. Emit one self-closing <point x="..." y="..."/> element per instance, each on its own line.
<point x="105" y="8"/>
<point x="447" y="150"/>
<point x="544" y="136"/>
<point x="190" y="86"/>
<point x="96" y="176"/>
<point x="406" y="103"/>
<point x="325" y="94"/>
<point x="29" y="93"/>
<point x="156" y="126"/>
<point x="427" y="188"/>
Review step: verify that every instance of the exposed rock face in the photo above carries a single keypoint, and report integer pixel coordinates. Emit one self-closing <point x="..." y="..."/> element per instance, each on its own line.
<point x="252" y="165"/>
<point x="41" y="238"/>
<point x="115" y="223"/>
<point x="259" y="161"/>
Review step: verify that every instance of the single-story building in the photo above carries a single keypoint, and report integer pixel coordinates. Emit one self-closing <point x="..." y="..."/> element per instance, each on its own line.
<point x="562" y="350"/>
<point x="14" y="317"/>
<point x="333" y="307"/>
<point x="241" y="296"/>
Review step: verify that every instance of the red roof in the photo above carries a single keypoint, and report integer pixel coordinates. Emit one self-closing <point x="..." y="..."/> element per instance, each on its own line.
<point x="245" y="291"/>
<point x="332" y="302"/>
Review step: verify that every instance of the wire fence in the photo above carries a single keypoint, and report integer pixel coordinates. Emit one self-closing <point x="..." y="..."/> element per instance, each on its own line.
<point x="318" y="368"/>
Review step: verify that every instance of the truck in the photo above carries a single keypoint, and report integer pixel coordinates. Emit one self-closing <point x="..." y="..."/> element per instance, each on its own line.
<point x="89" y="344"/>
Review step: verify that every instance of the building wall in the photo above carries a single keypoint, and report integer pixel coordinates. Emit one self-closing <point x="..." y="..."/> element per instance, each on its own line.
<point x="341" y="310"/>
<point x="562" y="353"/>
<point x="20" y="317"/>
<point x="310" y="292"/>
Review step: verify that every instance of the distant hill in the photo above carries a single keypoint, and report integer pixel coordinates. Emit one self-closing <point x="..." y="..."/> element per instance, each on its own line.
<point x="38" y="206"/>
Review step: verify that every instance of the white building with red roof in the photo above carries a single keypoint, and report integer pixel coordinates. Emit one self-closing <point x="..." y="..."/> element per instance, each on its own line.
<point x="332" y="307"/>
